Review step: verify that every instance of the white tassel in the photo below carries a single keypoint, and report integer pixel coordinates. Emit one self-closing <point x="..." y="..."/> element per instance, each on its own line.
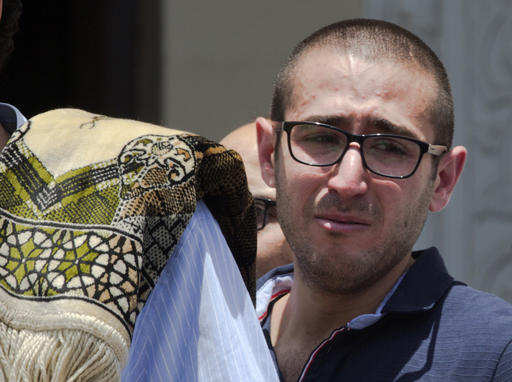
<point x="61" y="355"/>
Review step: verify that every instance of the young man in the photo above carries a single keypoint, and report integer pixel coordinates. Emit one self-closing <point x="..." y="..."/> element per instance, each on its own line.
<point x="272" y="248"/>
<point x="359" y="150"/>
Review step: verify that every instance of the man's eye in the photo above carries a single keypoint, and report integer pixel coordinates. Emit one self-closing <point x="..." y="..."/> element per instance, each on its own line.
<point x="321" y="138"/>
<point x="318" y="138"/>
<point x="389" y="146"/>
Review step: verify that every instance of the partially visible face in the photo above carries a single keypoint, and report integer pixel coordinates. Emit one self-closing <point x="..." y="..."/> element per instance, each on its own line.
<point x="272" y="248"/>
<point x="347" y="227"/>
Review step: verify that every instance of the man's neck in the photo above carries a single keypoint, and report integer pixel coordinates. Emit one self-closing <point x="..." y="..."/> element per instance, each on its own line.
<point x="301" y="320"/>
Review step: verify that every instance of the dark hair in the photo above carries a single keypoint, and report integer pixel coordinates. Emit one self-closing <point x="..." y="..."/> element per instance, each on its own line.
<point x="375" y="41"/>
<point x="8" y="27"/>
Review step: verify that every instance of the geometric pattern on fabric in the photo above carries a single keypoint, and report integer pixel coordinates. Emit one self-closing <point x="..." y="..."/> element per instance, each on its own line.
<point x="131" y="200"/>
<point x="154" y="169"/>
<point x="76" y="233"/>
<point x="92" y="239"/>
<point x="45" y="261"/>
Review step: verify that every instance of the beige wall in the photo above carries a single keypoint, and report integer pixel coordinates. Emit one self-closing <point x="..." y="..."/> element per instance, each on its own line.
<point x="220" y="57"/>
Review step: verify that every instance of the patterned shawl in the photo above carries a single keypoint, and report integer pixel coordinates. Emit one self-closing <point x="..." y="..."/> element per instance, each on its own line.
<point x="91" y="208"/>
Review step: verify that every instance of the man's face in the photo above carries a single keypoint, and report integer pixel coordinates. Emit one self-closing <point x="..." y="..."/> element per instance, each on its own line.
<point x="348" y="227"/>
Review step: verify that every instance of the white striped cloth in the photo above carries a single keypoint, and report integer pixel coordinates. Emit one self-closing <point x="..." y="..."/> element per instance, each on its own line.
<point x="199" y="323"/>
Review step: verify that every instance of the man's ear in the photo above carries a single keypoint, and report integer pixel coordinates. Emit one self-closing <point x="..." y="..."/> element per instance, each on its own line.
<point x="266" y="140"/>
<point x="448" y="173"/>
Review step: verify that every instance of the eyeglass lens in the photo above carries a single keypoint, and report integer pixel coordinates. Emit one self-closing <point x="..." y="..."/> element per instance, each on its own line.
<point x="321" y="145"/>
<point x="260" y="214"/>
<point x="263" y="207"/>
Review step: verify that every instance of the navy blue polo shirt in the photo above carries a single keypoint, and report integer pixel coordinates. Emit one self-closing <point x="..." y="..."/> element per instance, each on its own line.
<point x="430" y="328"/>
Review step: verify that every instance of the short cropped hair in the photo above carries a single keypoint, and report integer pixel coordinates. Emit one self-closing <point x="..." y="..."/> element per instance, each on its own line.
<point x="374" y="41"/>
<point x="8" y="27"/>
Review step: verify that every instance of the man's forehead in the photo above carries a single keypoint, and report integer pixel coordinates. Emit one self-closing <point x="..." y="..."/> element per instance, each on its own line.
<point x="324" y="59"/>
<point x="319" y="67"/>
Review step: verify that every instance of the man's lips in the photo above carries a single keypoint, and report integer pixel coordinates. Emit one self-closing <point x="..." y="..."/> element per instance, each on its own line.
<point x="342" y="223"/>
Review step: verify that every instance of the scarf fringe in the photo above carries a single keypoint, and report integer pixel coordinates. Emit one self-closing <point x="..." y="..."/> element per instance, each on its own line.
<point x="65" y="355"/>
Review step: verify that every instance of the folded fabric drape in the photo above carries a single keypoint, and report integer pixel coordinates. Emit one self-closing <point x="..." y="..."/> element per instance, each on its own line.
<point x="91" y="208"/>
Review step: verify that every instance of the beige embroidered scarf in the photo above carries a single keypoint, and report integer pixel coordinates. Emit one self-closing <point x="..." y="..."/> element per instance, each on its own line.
<point x="90" y="210"/>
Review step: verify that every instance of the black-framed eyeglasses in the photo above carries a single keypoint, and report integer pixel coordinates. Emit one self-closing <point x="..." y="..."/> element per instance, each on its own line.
<point x="264" y="208"/>
<point x="388" y="155"/>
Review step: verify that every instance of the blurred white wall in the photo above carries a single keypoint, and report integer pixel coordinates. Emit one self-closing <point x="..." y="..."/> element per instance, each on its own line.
<point x="220" y="57"/>
<point x="219" y="61"/>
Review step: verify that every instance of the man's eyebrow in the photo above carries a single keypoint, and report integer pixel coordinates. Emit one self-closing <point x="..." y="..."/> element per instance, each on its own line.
<point x="384" y="126"/>
<point x="333" y="120"/>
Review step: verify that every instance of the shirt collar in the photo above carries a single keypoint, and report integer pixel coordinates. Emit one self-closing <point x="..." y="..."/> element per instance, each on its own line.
<point x="279" y="282"/>
<point x="424" y="284"/>
<point x="10" y="117"/>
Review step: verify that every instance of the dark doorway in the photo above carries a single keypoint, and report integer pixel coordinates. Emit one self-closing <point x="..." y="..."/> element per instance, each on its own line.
<point x="102" y="56"/>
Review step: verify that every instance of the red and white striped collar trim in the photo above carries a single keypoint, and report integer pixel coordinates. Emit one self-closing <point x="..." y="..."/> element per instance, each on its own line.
<point x="272" y="289"/>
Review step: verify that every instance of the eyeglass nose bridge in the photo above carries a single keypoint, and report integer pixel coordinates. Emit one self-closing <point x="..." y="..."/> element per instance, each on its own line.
<point x="353" y="138"/>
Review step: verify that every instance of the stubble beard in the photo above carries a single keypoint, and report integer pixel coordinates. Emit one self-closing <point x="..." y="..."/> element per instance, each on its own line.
<point x="349" y="273"/>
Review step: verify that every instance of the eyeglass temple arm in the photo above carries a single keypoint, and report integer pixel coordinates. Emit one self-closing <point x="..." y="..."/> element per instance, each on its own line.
<point x="277" y="126"/>
<point x="437" y="150"/>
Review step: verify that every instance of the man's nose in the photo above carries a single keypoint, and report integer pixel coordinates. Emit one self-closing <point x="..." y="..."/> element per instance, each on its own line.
<point x="349" y="177"/>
